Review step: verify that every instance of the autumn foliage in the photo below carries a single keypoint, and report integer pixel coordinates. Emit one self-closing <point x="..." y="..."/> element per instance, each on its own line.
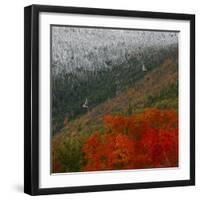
<point x="144" y="140"/>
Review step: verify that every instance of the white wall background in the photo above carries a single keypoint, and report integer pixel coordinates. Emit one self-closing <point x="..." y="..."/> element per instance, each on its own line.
<point x="11" y="98"/>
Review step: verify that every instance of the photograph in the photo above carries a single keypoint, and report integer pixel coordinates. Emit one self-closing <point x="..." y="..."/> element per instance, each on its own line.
<point x="114" y="98"/>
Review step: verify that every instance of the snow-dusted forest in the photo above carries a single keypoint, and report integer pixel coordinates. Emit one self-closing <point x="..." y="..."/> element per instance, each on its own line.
<point x="95" y="48"/>
<point x="114" y="99"/>
<point x="96" y="64"/>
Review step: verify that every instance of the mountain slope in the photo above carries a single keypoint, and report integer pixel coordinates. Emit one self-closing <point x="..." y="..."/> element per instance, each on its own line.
<point x="70" y="90"/>
<point x="151" y="88"/>
<point x="158" y="88"/>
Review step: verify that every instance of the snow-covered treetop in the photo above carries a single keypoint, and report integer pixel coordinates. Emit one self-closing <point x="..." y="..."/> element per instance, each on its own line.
<point x="94" y="48"/>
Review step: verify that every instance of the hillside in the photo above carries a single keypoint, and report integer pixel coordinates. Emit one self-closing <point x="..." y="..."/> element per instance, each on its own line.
<point x="158" y="88"/>
<point x="132" y="100"/>
<point x="69" y="90"/>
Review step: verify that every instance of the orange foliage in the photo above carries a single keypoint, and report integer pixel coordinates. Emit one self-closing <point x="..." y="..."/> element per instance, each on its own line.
<point x="144" y="140"/>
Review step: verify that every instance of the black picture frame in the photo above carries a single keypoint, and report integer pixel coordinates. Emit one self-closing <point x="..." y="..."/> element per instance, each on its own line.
<point x="31" y="98"/>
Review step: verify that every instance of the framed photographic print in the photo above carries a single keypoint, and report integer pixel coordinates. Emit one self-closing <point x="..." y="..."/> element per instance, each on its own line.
<point x="109" y="100"/>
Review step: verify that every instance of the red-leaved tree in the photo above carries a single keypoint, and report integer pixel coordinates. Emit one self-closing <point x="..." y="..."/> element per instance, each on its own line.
<point x="144" y="140"/>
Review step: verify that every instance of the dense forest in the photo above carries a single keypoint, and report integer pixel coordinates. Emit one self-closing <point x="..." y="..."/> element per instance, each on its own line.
<point x="133" y="77"/>
<point x="70" y="88"/>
